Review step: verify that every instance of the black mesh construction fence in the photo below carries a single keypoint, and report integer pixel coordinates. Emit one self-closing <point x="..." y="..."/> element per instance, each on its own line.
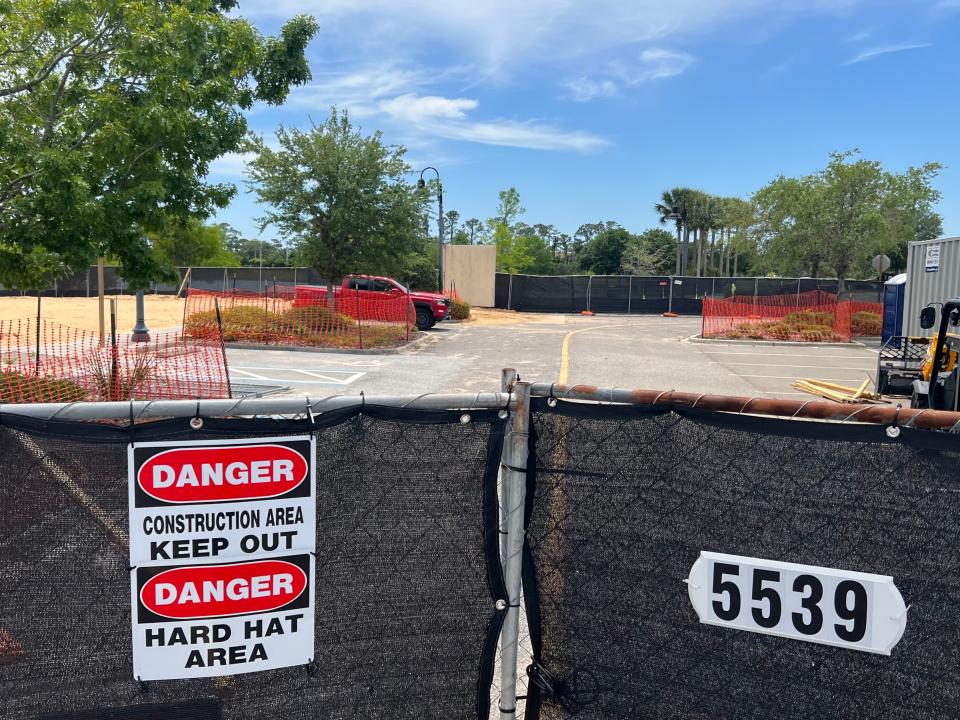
<point x="655" y="294"/>
<point x="407" y="573"/>
<point x="622" y="501"/>
<point x="219" y="279"/>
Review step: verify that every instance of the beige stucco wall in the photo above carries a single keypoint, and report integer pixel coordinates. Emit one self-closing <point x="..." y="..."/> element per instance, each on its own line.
<point x="472" y="270"/>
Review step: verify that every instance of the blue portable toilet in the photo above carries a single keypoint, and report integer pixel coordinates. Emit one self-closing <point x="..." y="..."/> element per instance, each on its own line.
<point x="894" y="292"/>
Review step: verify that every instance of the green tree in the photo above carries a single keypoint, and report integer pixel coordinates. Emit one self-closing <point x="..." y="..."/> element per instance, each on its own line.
<point x="474" y="228"/>
<point x="603" y="255"/>
<point x="652" y="252"/>
<point x="341" y="196"/>
<point x="190" y="243"/>
<point x="838" y="218"/>
<point x="113" y="111"/>
<point x="257" y="251"/>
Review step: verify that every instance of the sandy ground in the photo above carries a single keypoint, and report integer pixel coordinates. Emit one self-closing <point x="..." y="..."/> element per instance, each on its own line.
<point x="493" y="316"/>
<point x="161" y="311"/>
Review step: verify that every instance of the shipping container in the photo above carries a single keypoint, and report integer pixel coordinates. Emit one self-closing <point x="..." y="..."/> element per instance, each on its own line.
<point x="933" y="275"/>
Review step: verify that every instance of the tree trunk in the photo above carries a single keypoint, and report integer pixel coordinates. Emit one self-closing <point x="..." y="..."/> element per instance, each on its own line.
<point x="713" y="251"/>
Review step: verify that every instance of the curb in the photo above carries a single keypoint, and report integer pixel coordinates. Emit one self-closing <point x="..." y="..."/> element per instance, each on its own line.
<point x="773" y="343"/>
<point x="325" y="350"/>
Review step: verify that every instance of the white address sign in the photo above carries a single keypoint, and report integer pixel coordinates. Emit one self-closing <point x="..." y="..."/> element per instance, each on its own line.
<point x="854" y="610"/>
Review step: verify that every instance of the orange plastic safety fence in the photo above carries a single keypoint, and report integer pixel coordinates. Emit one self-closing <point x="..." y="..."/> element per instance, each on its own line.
<point x="804" y="317"/>
<point x="303" y="316"/>
<point x="64" y="364"/>
<point x="866" y="318"/>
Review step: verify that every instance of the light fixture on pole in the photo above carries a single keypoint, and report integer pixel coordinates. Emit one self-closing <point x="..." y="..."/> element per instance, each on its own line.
<point x="680" y="215"/>
<point x="421" y="184"/>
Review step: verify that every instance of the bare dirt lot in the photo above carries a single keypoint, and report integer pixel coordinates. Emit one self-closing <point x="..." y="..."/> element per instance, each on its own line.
<point x="161" y="311"/>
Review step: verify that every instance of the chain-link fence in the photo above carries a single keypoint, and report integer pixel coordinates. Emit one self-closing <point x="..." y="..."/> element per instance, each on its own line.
<point x="406" y="582"/>
<point x="657" y="294"/>
<point x="622" y="501"/>
<point x="429" y="512"/>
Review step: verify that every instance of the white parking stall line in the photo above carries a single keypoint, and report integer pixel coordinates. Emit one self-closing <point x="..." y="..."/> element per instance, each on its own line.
<point x="794" y="377"/>
<point x="813" y="367"/>
<point x="343" y="382"/>
<point x="309" y="373"/>
<point x="793" y="355"/>
<point x="247" y="373"/>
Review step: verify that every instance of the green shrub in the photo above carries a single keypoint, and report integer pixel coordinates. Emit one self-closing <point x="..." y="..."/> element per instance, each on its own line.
<point x="459" y="309"/>
<point x="16" y="387"/>
<point x="866" y="323"/>
<point x="248" y="323"/>
<point x="316" y="319"/>
<point x="808" y="318"/>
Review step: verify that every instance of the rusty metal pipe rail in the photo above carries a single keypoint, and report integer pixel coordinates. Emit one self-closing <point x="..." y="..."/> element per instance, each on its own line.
<point x="810" y="409"/>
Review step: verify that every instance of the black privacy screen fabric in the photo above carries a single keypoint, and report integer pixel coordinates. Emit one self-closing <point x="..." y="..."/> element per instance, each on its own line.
<point x="622" y="501"/>
<point x="406" y="582"/>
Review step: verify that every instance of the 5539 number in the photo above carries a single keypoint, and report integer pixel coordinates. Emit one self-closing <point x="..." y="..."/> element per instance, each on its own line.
<point x="861" y="611"/>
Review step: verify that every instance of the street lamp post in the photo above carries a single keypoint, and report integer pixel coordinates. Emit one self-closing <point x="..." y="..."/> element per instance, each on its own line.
<point x="421" y="183"/>
<point x="680" y="215"/>
<point x="140" y="331"/>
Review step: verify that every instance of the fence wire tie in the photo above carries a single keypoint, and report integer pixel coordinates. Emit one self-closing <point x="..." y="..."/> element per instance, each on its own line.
<point x="913" y="420"/>
<point x="310" y="418"/>
<point x="856" y="412"/>
<point x="311" y="667"/>
<point x="800" y="409"/>
<point x="196" y="422"/>
<point x="895" y="618"/>
<point x="144" y="687"/>
<point x="740" y="411"/>
<point x="701" y="396"/>
<point x="130" y="426"/>
<point x="657" y="398"/>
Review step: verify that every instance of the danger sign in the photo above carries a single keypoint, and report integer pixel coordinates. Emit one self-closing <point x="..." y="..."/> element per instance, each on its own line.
<point x="221" y="541"/>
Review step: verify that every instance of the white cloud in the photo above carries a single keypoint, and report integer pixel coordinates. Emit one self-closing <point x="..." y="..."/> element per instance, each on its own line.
<point x="413" y="108"/>
<point x="583" y="88"/>
<point x="231" y="165"/>
<point x="358" y="90"/>
<point x="501" y="36"/>
<point x="884" y="50"/>
<point x="433" y="116"/>
<point x="529" y="134"/>
<point x="651" y="64"/>
<point x="860" y="35"/>
<point x="654" y="64"/>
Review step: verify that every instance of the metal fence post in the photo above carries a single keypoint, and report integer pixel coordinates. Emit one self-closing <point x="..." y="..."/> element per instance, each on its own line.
<point x="629" y="293"/>
<point x="514" y="489"/>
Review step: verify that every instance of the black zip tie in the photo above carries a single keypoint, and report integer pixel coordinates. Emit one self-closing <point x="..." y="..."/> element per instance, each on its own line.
<point x="130" y="427"/>
<point x="197" y="422"/>
<point x="143" y="685"/>
<point x="551" y="395"/>
<point x="310" y="417"/>
<point x="311" y="667"/>
<point x="508" y="711"/>
<point x="513" y="467"/>
<point x="363" y="401"/>
<point x="896" y="414"/>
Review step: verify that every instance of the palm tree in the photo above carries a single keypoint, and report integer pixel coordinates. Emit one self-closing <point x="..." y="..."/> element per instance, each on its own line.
<point x="672" y="206"/>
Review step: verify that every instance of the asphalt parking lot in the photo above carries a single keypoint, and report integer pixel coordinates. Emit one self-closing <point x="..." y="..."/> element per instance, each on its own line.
<point x="622" y="351"/>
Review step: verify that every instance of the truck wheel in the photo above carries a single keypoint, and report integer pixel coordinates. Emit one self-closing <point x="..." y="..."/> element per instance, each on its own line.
<point x="424" y="319"/>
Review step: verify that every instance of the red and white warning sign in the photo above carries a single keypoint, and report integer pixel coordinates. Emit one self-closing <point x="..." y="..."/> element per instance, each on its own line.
<point x="222" y="536"/>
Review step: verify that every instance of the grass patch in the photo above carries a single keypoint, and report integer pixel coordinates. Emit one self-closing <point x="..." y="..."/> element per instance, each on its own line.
<point x="16" y="387"/>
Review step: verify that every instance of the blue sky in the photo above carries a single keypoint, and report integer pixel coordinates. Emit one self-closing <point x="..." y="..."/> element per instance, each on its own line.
<point x="591" y="109"/>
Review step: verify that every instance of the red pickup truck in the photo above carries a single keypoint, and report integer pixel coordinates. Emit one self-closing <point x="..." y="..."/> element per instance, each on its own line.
<point x="430" y="307"/>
